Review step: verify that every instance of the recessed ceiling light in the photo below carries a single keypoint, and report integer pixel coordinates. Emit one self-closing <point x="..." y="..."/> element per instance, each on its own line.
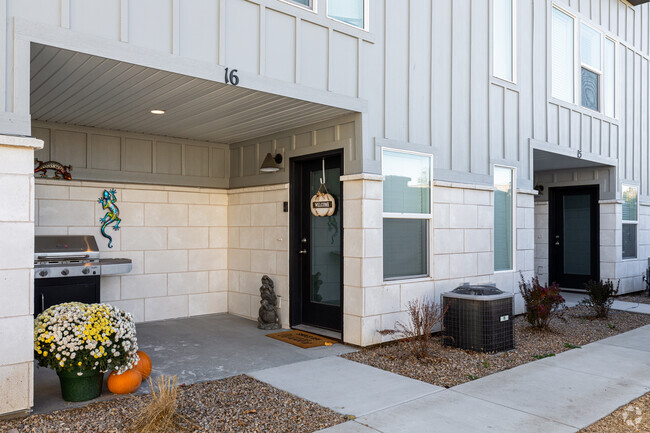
<point x="157" y="111"/>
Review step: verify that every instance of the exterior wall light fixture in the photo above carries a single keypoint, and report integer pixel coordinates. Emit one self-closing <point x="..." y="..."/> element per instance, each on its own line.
<point x="271" y="163"/>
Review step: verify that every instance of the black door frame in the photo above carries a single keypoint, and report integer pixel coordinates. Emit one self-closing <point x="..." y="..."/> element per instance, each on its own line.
<point x="554" y="226"/>
<point x="295" y="214"/>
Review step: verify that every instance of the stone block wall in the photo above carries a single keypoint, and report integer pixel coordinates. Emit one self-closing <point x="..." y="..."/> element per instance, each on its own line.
<point x="177" y="238"/>
<point x="461" y="251"/>
<point x="611" y="240"/>
<point x="541" y="241"/>
<point x="16" y="273"/>
<point x="364" y="297"/>
<point x="258" y="244"/>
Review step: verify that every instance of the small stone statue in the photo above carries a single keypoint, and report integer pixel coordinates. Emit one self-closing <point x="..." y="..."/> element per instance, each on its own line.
<point x="268" y="318"/>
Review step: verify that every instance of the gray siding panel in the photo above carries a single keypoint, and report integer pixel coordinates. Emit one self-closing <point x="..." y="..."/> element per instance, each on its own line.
<point x="479" y="90"/>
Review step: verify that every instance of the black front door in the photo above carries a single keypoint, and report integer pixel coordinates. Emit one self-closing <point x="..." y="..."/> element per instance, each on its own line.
<point x="574" y="244"/>
<point x="316" y="245"/>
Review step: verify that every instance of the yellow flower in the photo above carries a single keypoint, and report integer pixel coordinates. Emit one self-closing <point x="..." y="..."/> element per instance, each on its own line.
<point x="79" y="363"/>
<point x="45" y="353"/>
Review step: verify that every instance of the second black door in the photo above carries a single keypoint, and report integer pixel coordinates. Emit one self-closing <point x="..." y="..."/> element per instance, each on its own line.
<point x="574" y="243"/>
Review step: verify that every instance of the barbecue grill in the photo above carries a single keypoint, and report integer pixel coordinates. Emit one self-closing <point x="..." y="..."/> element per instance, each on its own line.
<point x="68" y="268"/>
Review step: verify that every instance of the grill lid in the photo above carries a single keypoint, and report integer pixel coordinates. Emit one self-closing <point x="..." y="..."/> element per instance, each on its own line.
<point x="65" y="246"/>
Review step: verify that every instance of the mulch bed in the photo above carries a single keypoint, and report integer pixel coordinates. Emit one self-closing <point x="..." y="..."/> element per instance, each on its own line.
<point x="235" y="404"/>
<point x="633" y="417"/>
<point x="449" y="366"/>
<point x="640" y="297"/>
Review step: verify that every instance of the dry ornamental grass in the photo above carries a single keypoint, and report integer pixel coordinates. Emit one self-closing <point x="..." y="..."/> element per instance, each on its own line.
<point x="448" y="366"/>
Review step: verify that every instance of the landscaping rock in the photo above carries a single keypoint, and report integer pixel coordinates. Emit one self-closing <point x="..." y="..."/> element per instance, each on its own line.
<point x="449" y="366"/>
<point x="235" y="404"/>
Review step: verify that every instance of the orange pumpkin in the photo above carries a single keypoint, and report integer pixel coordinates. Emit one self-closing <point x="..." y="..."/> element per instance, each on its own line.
<point x="144" y="365"/>
<point x="124" y="383"/>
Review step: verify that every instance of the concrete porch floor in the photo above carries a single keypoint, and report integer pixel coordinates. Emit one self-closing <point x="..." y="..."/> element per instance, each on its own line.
<point x="195" y="349"/>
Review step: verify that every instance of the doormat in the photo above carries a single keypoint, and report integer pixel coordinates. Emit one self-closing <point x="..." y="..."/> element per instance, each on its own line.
<point x="302" y="339"/>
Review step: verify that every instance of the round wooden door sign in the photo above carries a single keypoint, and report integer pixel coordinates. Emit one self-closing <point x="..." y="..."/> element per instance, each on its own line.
<point x="323" y="204"/>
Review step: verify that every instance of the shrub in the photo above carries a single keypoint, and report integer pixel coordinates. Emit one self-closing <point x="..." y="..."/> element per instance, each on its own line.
<point x="542" y="302"/>
<point x="600" y="296"/>
<point x="424" y="316"/>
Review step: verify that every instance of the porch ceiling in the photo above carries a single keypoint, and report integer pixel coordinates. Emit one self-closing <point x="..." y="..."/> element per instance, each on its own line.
<point x="75" y="88"/>
<point x="548" y="161"/>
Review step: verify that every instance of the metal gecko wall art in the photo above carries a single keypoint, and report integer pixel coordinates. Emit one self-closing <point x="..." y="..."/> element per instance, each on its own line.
<point x="108" y="200"/>
<point x="60" y="170"/>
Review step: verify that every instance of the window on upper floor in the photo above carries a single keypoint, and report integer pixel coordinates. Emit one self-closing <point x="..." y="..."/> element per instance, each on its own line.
<point x="590" y="67"/>
<point x="352" y="12"/>
<point x="309" y="4"/>
<point x="407" y="214"/>
<point x="562" y="56"/>
<point x="609" y="78"/>
<point x="630" y="221"/>
<point x="503" y="39"/>
<point x="592" y="72"/>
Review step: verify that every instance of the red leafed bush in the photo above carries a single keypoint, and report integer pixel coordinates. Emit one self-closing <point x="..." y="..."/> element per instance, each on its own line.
<point x="542" y="302"/>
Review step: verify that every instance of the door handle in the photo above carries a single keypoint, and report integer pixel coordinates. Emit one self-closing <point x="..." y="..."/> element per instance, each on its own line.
<point x="42" y="302"/>
<point x="557" y="243"/>
<point x="302" y="252"/>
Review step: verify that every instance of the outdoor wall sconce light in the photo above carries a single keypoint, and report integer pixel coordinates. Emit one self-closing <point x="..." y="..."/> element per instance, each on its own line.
<point x="271" y="163"/>
<point x="539" y="189"/>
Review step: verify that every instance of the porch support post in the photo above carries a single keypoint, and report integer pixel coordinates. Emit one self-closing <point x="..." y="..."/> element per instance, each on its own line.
<point x="362" y="256"/>
<point x="17" y="273"/>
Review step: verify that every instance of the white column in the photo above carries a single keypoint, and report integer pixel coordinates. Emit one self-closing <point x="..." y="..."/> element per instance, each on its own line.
<point x="16" y="272"/>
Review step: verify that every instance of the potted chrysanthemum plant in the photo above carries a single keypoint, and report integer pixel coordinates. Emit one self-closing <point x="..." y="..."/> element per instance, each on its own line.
<point x="81" y="342"/>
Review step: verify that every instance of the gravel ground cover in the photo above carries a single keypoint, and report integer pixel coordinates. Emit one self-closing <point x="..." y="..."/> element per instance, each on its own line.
<point x="633" y="417"/>
<point x="234" y="404"/>
<point x="449" y="366"/>
<point x="640" y="297"/>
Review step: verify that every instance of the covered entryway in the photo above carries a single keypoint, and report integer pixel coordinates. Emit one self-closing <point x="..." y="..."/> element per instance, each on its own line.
<point x="316" y="244"/>
<point x="576" y="197"/>
<point x="200" y="222"/>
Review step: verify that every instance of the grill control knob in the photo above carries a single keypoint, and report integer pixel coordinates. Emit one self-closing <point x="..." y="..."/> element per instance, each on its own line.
<point x="85" y="271"/>
<point x="42" y="273"/>
<point x="65" y="272"/>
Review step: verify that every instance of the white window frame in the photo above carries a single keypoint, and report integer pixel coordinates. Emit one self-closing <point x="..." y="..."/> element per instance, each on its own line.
<point x="366" y="15"/>
<point x="514" y="44"/>
<point x="630" y="222"/>
<point x="514" y="218"/>
<point x="311" y="8"/>
<point x="578" y="65"/>
<point x="601" y="105"/>
<point x="421" y="216"/>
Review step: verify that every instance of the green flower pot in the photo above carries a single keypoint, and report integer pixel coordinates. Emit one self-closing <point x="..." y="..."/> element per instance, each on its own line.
<point x="81" y="387"/>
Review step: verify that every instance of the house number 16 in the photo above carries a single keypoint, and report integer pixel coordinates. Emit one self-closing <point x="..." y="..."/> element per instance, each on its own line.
<point x="231" y="77"/>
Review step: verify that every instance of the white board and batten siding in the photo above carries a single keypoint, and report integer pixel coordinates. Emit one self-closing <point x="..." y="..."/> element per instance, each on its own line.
<point x="439" y="96"/>
<point x="275" y="46"/>
<point x="422" y="74"/>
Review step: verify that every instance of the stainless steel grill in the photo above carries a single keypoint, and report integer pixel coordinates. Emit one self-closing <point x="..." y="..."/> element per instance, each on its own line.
<point x="73" y="256"/>
<point x="68" y="268"/>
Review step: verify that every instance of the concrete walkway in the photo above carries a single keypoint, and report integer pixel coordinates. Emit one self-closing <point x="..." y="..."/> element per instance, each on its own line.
<point x="561" y="394"/>
<point x="572" y="299"/>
